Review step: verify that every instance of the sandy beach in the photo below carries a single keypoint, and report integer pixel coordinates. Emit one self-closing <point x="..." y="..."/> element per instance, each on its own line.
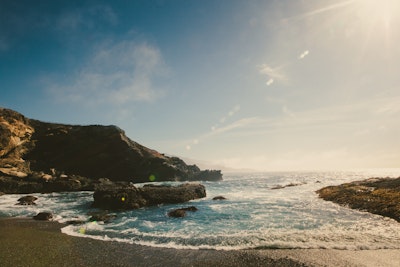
<point x="25" y="242"/>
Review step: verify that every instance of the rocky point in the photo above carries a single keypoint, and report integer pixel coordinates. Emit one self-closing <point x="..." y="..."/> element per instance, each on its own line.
<point x="38" y="156"/>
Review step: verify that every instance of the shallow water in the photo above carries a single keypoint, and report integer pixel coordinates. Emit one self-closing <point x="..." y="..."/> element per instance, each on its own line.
<point x="254" y="216"/>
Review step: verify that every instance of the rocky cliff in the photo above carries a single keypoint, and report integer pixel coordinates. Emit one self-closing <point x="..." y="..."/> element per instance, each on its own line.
<point x="31" y="149"/>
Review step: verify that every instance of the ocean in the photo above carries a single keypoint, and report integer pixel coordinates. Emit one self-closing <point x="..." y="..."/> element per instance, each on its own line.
<point x="260" y="211"/>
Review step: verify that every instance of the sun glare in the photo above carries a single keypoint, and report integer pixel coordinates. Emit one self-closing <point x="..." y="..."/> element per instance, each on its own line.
<point x="378" y="11"/>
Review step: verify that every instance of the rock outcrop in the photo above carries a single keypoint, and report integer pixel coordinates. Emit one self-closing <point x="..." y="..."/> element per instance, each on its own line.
<point x="125" y="197"/>
<point x="32" y="151"/>
<point x="376" y="195"/>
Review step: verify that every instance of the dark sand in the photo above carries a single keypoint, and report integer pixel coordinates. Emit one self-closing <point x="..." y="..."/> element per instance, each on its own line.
<point x="25" y="242"/>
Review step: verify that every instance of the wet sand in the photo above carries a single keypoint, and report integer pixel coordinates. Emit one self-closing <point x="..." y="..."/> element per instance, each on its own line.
<point x="25" y="242"/>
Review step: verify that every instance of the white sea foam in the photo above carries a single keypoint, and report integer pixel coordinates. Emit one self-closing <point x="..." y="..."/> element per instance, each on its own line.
<point x="253" y="216"/>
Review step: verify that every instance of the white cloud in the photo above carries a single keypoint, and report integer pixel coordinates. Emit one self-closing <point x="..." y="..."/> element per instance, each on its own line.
<point x="116" y="73"/>
<point x="269" y="82"/>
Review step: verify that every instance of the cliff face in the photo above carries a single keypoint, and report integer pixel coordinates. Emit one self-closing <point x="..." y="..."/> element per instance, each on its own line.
<point x="31" y="147"/>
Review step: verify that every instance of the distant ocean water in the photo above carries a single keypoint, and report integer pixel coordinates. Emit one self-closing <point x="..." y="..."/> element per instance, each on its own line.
<point x="254" y="216"/>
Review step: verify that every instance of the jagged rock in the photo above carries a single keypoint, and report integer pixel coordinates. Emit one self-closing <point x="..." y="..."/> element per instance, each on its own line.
<point x="27" y="200"/>
<point x="43" y="216"/>
<point x="178" y="213"/>
<point x="126" y="196"/>
<point x="53" y="152"/>
<point x="376" y="195"/>
<point x="219" y="198"/>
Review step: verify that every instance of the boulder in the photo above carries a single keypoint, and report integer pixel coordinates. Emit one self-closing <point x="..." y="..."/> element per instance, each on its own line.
<point x="118" y="197"/>
<point x="27" y="200"/>
<point x="43" y="216"/>
<point x="179" y="213"/>
<point x="156" y="195"/>
<point x="127" y="196"/>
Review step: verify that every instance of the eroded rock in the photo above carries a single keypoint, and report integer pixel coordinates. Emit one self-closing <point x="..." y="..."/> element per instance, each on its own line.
<point x="377" y="195"/>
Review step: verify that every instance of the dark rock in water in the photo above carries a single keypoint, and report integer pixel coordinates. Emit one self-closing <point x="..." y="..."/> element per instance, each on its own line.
<point x="219" y="198"/>
<point x="179" y="213"/>
<point x="118" y="197"/>
<point x="126" y="196"/>
<point x="287" y="185"/>
<point x="27" y="200"/>
<point x="191" y="208"/>
<point x="376" y="195"/>
<point x="102" y="217"/>
<point x="43" y="216"/>
<point x="172" y="195"/>
<point x="1" y="193"/>
<point x="37" y="156"/>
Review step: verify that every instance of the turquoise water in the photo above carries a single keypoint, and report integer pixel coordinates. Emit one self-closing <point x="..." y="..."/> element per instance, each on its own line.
<point x="254" y="216"/>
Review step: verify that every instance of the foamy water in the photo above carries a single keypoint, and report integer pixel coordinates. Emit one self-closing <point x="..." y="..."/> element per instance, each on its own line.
<point x="253" y="216"/>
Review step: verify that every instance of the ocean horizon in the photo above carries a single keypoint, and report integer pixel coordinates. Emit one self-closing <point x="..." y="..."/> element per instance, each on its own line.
<point x="261" y="210"/>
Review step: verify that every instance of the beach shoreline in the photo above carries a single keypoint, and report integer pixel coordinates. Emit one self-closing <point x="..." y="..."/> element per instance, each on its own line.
<point x="26" y="242"/>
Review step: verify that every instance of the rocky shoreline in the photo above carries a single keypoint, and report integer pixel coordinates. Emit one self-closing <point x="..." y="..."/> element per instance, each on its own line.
<point x="375" y="195"/>
<point x="38" y="156"/>
<point x="26" y="242"/>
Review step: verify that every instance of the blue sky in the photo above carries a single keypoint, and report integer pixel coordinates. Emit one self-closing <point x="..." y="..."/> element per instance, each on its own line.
<point x="267" y="85"/>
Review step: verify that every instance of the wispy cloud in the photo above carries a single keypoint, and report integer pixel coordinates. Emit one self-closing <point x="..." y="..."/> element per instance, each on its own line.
<point x="274" y="73"/>
<point x="116" y="73"/>
<point x="234" y="125"/>
<point x="219" y="127"/>
<point x="323" y="9"/>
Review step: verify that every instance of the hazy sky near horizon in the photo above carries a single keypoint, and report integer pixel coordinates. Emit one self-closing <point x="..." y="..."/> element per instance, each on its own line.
<point x="267" y="85"/>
